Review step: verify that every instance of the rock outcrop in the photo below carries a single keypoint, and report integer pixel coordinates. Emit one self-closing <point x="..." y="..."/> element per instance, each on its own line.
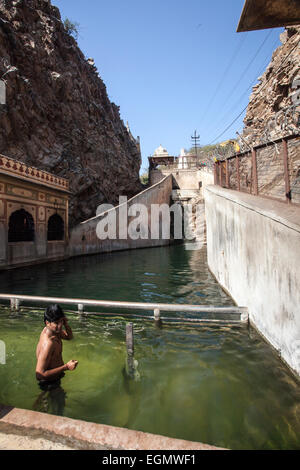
<point x="273" y="109"/>
<point x="57" y="115"/>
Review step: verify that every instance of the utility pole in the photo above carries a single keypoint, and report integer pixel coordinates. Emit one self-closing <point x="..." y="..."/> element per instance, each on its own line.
<point x="195" y="139"/>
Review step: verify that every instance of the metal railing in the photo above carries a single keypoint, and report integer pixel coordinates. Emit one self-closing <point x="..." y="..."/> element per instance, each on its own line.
<point x="248" y="172"/>
<point x="210" y="311"/>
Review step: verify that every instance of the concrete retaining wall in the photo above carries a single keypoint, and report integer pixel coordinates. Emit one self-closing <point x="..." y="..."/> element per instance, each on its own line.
<point x="253" y="249"/>
<point x="184" y="179"/>
<point x="206" y="177"/>
<point x="84" y="240"/>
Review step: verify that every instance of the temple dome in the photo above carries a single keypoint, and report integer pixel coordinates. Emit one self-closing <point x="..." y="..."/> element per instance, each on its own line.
<point x="160" y="152"/>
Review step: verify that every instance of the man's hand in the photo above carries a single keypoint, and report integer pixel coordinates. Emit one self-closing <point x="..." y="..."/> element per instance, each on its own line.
<point x="71" y="365"/>
<point x="67" y="332"/>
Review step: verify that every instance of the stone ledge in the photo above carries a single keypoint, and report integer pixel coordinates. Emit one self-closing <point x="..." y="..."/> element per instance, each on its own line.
<point x="279" y="211"/>
<point x="85" y="435"/>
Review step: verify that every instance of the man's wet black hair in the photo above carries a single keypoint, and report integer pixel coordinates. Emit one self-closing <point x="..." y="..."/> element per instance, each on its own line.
<point x="53" y="313"/>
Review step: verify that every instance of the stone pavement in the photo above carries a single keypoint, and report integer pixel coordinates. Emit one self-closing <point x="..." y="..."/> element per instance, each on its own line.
<point x="15" y="442"/>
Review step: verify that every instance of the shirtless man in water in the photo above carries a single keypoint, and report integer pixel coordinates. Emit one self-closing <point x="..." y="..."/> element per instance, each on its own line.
<point x="50" y="367"/>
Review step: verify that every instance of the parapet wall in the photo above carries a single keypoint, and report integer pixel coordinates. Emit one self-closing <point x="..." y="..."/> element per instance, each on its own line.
<point x="84" y="239"/>
<point x="186" y="179"/>
<point x="253" y="249"/>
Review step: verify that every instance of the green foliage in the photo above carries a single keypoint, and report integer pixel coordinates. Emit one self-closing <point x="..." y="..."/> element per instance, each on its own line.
<point x="72" y="28"/>
<point x="207" y="149"/>
<point x="219" y="150"/>
<point x="144" y="178"/>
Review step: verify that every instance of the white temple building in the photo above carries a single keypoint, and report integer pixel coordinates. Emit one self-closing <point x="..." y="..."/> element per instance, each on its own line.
<point x="160" y="152"/>
<point x="182" y="160"/>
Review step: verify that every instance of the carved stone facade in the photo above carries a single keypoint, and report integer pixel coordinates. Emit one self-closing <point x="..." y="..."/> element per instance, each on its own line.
<point x="33" y="214"/>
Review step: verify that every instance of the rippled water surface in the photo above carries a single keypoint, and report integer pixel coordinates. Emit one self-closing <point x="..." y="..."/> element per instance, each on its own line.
<point x="219" y="385"/>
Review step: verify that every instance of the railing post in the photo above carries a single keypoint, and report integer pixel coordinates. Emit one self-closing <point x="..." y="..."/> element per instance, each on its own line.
<point x="288" y="195"/>
<point x="80" y="309"/>
<point x="156" y="314"/>
<point x="157" y="318"/>
<point x="130" y="349"/>
<point x="215" y="174"/>
<point x="15" y="304"/>
<point x="226" y="174"/>
<point x="254" y="173"/>
<point x="237" y="165"/>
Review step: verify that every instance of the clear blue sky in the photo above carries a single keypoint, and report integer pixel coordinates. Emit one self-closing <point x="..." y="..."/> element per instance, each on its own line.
<point x="173" y="66"/>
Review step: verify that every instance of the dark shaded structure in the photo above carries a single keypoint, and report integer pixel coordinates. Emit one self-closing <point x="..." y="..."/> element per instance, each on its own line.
<point x="21" y="227"/>
<point x="55" y="228"/>
<point x="161" y="160"/>
<point x="263" y="14"/>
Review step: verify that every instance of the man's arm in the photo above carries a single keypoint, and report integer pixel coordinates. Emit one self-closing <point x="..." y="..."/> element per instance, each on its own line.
<point x="43" y="360"/>
<point x="67" y="333"/>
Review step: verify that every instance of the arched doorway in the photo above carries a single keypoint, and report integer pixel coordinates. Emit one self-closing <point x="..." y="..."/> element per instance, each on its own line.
<point x="20" y="227"/>
<point x="56" y="229"/>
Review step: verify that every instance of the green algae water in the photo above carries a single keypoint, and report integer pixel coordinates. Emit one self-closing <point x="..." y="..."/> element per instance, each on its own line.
<point x="216" y="384"/>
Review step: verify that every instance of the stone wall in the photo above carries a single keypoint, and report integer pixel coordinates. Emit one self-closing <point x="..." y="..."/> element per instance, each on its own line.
<point x="245" y="169"/>
<point x="184" y="179"/>
<point x="294" y="169"/>
<point x="270" y="171"/>
<point x="84" y="239"/>
<point x="253" y="249"/>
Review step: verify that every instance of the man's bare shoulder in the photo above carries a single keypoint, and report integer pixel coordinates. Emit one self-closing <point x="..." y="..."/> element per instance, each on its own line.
<point x="46" y="342"/>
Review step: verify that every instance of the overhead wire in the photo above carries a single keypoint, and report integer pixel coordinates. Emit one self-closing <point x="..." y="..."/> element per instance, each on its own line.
<point x="258" y="73"/>
<point x="248" y="66"/>
<point x="232" y="58"/>
<point x="264" y="85"/>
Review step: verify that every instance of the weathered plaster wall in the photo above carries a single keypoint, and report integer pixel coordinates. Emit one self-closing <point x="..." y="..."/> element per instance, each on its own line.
<point x="206" y="177"/>
<point x="253" y="248"/>
<point x="84" y="240"/>
<point x="184" y="178"/>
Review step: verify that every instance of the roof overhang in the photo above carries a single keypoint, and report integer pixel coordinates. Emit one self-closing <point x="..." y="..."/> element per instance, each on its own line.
<point x="263" y="14"/>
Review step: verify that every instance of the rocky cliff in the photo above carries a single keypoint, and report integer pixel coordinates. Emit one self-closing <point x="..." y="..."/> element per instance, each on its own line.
<point x="273" y="109"/>
<point x="57" y="115"/>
